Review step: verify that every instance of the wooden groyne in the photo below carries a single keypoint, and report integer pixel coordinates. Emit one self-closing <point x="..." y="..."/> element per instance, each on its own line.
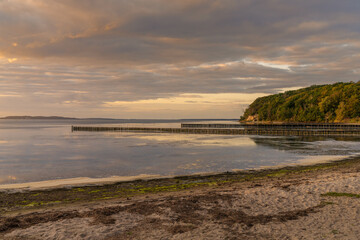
<point x="281" y="126"/>
<point x="226" y="131"/>
<point x="211" y="125"/>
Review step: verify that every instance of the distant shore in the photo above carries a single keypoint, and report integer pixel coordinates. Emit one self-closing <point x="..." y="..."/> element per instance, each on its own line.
<point x="315" y="201"/>
<point x="38" y="117"/>
<point x="112" y="119"/>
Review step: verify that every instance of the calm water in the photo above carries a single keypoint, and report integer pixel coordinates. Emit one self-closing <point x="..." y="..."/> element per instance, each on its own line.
<point x="34" y="150"/>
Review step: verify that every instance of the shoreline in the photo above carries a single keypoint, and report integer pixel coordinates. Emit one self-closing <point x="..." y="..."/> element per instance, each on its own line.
<point x="320" y="201"/>
<point x="72" y="182"/>
<point x="90" y="181"/>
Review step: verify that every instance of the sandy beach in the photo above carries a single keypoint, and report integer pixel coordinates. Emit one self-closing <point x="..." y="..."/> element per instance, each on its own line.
<point x="320" y="201"/>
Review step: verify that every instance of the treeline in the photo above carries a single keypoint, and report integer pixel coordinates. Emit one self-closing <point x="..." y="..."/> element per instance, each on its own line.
<point x="339" y="102"/>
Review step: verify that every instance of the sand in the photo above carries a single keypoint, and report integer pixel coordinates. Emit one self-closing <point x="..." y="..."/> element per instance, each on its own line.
<point x="293" y="206"/>
<point x="79" y="181"/>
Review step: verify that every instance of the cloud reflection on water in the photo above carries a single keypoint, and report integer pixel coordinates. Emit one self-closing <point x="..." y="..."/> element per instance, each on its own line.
<point x="200" y="140"/>
<point x="43" y="153"/>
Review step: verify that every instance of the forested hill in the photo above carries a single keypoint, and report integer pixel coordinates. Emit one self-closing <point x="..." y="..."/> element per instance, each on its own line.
<point x="339" y="102"/>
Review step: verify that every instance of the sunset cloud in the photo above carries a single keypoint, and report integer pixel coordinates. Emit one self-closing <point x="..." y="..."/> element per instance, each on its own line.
<point x="11" y="60"/>
<point x="62" y="55"/>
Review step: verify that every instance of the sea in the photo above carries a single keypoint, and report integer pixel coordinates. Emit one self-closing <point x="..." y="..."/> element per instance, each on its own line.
<point x="40" y="150"/>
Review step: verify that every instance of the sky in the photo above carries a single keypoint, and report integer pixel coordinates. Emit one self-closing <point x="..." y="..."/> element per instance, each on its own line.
<point x="169" y="59"/>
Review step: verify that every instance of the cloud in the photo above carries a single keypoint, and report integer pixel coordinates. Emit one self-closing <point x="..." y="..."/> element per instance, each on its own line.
<point x="276" y="65"/>
<point x="11" y="60"/>
<point x="61" y="54"/>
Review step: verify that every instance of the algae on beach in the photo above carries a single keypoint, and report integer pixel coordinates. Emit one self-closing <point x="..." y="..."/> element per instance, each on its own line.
<point x="14" y="201"/>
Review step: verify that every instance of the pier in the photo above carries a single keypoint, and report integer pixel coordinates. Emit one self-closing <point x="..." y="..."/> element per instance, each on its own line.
<point x="276" y="131"/>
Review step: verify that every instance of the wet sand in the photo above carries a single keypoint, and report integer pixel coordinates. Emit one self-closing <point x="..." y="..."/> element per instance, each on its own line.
<point x="321" y="201"/>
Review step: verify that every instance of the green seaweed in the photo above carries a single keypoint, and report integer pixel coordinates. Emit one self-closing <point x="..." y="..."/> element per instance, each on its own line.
<point x="338" y="194"/>
<point x="95" y="191"/>
<point x="327" y="203"/>
<point x="33" y="204"/>
<point x="78" y="190"/>
<point x="279" y="173"/>
<point x="15" y="201"/>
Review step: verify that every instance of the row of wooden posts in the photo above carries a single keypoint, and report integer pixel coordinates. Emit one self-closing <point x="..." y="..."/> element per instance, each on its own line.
<point x="227" y="131"/>
<point x="290" y="126"/>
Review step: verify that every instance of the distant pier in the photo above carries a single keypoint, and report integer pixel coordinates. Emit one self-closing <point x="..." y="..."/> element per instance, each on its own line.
<point x="242" y="129"/>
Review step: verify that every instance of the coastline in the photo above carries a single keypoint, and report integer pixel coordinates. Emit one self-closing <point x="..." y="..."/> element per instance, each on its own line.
<point x="254" y="204"/>
<point x="89" y="181"/>
<point x="73" y="182"/>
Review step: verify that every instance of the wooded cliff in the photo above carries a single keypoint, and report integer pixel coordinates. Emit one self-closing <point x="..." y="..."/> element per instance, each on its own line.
<point x="339" y="102"/>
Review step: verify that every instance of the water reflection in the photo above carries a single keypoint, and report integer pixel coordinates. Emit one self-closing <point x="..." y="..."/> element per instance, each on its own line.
<point x="200" y="140"/>
<point x="314" y="145"/>
<point x="39" y="151"/>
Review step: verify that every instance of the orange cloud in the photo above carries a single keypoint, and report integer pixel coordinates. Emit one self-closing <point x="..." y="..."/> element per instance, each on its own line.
<point x="11" y="60"/>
